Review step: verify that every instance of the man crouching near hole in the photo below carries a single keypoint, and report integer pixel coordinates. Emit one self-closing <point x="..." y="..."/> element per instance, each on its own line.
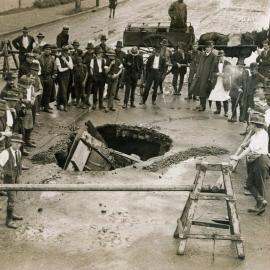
<point x="10" y="165"/>
<point x="258" y="163"/>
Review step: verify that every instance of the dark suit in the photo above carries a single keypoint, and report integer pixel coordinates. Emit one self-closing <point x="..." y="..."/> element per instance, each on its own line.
<point x="18" y="45"/>
<point x="178" y="58"/>
<point x="153" y="76"/>
<point x="264" y="63"/>
<point x="133" y="65"/>
<point x="62" y="39"/>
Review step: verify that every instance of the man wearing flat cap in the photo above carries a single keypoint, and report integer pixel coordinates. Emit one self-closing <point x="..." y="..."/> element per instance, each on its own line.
<point x="11" y="166"/>
<point x="63" y="38"/>
<point x="24" y="44"/>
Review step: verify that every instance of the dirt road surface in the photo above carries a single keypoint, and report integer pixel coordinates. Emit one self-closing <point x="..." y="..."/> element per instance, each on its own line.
<point x="97" y="231"/>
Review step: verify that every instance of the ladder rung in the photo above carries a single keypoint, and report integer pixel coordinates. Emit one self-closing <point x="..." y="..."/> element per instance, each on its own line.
<point x="233" y="237"/>
<point x="209" y="197"/>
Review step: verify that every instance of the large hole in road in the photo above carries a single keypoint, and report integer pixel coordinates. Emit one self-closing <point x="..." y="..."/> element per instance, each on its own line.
<point x="138" y="142"/>
<point x="132" y="140"/>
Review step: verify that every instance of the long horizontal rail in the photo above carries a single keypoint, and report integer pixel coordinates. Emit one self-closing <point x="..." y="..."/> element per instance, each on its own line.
<point x="98" y="187"/>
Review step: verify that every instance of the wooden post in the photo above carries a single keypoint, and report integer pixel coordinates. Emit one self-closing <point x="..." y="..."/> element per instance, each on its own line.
<point x="78" y="4"/>
<point x="97" y="3"/>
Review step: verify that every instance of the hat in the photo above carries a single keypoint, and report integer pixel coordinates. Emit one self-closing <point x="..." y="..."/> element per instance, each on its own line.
<point x="76" y="43"/>
<point x="157" y="48"/>
<point x="90" y="45"/>
<point x="10" y="76"/>
<point x="134" y="50"/>
<point x="25" y="29"/>
<point x="209" y="43"/>
<point x="23" y="82"/>
<point x="119" y="44"/>
<point x="257" y="119"/>
<point x="3" y="105"/>
<point x="98" y="49"/>
<point x="103" y="37"/>
<point x="40" y="35"/>
<point x="110" y="52"/>
<point x="164" y="42"/>
<point x="34" y="66"/>
<point x="266" y="42"/>
<point x="47" y="47"/>
<point x="240" y="62"/>
<point x="253" y="66"/>
<point x="17" y="138"/>
<point x="65" y="27"/>
<point x="37" y="50"/>
<point x="220" y="53"/>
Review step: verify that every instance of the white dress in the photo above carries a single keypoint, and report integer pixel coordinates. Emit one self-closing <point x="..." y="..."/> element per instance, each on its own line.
<point x="219" y="93"/>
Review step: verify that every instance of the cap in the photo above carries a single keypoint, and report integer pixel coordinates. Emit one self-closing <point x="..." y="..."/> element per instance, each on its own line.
<point x="10" y="76"/>
<point x="110" y="52"/>
<point x="134" y="50"/>
<point x="240" y="62"/>
<point x="47" y="47"/>
<point x="103" y="37"/>
<point x="164" y="42"/>
<point x="257" y="119"/>
<point x="40" y="35"/>
<point x="76" y="43"/>
<point x="209" y="43"/>
<point x="34" y="66"/>
<point x="25" y="29"/>
<point x="3" y="105"/>
<point x="65" y="27"/>
<point x="17" y="138"/>
<point x="157" y="48"/>
<point x="89" y="46"/>
<point x="119" y="44"/>
<point x="221" y="53"/>
<point x="23" y="82"/>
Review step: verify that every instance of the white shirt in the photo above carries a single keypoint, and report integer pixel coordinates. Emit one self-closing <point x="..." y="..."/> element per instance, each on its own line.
<point x="259" y="143"/>
<point x="58" y="64"/>
<point x="37" y="45"/>
<point x="4" y="156"/>
<point x="156" y="62"/>
<point x="9" y="118"/>
<point x="99" y="62"/>
<point x="25" y="42"/>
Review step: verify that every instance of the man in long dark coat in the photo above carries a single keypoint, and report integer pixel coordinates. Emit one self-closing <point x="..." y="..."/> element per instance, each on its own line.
<point x="63" y="37"/>
<point x="202" y="84"/>
<point x="178" y="14"/>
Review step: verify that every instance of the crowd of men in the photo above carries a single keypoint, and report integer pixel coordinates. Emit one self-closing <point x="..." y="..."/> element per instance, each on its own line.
<point x="69" y="75"/>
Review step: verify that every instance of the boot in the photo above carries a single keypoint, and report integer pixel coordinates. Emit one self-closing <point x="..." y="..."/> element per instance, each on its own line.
<point x="16" y="217"/>
<point x="262" y="206"/>
<point x="9" y="220"/>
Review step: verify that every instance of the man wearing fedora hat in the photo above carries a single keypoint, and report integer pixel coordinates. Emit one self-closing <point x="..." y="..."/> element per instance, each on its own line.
<point x="62" y="38"/>
<point x="120" y="54"/>
<point x="24" y="44"/>
<point x="258" y="163"/>
<point x="11" y="166"/>
<point x="114" y="70"/>
<point x="133" y="64"/>
<point x="98" y="73"/>
<point x="87" y="57"/>
<point x="103" y="46"/>
<point x="40" y="42"/>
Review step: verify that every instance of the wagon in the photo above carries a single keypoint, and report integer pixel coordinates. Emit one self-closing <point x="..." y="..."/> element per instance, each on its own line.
<point x="150" y="34"/>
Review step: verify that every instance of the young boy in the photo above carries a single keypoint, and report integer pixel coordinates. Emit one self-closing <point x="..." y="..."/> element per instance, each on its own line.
<point x="10" y="165"/>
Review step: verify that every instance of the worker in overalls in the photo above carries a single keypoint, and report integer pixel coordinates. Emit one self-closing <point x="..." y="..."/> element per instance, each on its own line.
<point x="10" y="165"/>
<point x="258" y="163"/>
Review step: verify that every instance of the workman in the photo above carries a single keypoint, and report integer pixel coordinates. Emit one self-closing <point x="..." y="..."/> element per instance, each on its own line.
<point x="10" y="165"/>
<point x="258" y="163"/>
<point x="178" y="15"/>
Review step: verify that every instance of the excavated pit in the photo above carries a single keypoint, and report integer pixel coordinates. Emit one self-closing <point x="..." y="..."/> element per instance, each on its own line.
<point x="133" y="140"/>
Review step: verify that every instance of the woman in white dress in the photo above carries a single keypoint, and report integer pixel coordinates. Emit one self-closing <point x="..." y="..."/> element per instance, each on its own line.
<point x="221" y="75"/>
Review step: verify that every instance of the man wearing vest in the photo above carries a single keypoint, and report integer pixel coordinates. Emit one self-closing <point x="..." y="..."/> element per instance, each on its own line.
<point x="64" y="65"/>
<point x="10" y="164"/>
<point x="97" y="71"/>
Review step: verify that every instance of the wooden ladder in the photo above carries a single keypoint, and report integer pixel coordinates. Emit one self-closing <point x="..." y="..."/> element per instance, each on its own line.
<point x="187" y="218"/>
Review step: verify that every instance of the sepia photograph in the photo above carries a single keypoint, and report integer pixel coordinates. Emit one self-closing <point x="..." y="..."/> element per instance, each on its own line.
<point x="134" y="134"/>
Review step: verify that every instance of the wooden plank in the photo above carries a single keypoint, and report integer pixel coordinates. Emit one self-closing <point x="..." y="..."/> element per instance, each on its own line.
<point x="79" y="157"/>
<point x="211" y="197"/>
<point x="191" y="211"/>
<point x="210" y="224"/>
<point x="213" y="166"/>
<point x="228" y="237"/>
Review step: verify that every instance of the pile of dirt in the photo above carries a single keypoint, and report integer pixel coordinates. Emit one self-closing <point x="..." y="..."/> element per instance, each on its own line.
<point x="184" y="155"/>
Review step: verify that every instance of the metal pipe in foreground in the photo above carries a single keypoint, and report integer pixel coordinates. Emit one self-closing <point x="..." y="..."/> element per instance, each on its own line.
<point x="101" y="187"/>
